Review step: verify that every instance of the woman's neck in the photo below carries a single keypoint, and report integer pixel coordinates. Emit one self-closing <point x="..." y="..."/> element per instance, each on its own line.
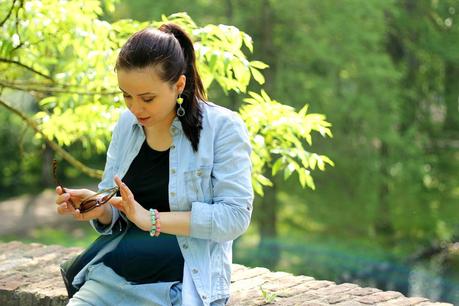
<point x="158" y="135"/>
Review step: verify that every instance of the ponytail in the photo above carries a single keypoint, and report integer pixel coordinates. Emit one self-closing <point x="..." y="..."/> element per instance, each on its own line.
<point x="194" y="90"/>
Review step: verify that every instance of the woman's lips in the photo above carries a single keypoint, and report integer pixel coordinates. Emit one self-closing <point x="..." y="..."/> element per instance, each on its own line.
<point x="143" y="119"/>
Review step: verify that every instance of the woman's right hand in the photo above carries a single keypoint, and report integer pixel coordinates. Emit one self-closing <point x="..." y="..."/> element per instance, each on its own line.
<point x="75" y="196"/>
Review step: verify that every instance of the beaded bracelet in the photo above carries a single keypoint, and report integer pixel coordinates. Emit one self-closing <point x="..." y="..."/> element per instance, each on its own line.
<point x="155" y="223"/>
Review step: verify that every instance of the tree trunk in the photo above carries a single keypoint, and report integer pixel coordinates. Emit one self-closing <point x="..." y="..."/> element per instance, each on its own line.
<point x="269" y="250"/>
<point x="451" y="124"/>
<point x="267" y="211"/>
<point x="229" y="11"/>
<point x="46" y="169"/>
<point x="383" y="224"/>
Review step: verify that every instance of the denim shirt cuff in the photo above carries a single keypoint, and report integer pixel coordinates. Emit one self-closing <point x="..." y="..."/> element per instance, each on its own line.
<point x="201" y="220"/>
<point x="105" y="229"/>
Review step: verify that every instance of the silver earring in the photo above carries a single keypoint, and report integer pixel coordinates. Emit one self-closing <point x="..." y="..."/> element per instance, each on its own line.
<point x="180" y="110"/>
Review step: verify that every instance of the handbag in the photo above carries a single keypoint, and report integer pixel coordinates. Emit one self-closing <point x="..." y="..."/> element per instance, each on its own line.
<point x="70" y="268"/>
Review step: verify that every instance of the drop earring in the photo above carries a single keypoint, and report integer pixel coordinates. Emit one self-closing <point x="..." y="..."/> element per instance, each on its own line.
<point x="180" y="110"/>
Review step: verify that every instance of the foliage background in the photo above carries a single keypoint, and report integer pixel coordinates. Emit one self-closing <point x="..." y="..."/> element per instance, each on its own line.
<point x="384" y="73"/>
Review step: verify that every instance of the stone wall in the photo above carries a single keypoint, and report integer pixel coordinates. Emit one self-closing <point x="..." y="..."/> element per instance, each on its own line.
<point x="29" y="275"/>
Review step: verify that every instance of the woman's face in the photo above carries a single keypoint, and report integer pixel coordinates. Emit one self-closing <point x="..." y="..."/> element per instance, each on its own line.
<point x="149" y="98"/>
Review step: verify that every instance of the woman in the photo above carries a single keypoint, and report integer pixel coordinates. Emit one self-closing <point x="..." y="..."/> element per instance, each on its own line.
<point x="183" y="170"/>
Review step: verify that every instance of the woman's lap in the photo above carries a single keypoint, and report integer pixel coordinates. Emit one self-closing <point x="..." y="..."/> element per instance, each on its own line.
<point x="104" y="287"/>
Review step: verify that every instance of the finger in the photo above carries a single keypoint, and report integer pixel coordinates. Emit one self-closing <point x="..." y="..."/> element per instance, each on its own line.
<point x="119" y="206"/>
<point x="62" y="198"/>
<point x="127" y="192"/>
<point x="77" y="192"/>
<point x="77" y="215"/>
<point x="59" y="190"/>
<point x="115" y="201"/>
<point x="64" y="209"/>
<point x="118" y="181"/>
<point x="123" y="191"/>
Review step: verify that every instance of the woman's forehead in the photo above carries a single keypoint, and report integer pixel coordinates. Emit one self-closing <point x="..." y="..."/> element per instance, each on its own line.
<point x="138" y="81"/>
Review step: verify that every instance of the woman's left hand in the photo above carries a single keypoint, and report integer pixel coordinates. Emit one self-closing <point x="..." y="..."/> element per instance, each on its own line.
<point x="127" y="204"/>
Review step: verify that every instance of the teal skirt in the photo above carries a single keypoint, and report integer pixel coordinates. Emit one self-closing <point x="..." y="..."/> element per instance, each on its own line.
<point x="103" y="286"/>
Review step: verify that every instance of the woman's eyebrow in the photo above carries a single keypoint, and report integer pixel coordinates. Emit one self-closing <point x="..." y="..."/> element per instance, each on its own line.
<point x="142" y="94"/>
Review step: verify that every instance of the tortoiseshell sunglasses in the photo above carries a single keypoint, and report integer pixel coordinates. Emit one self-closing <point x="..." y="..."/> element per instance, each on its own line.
<point x="91" y="202"/>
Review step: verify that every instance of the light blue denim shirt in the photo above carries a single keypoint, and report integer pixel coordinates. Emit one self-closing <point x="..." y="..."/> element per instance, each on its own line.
<point x="213" y="183"/>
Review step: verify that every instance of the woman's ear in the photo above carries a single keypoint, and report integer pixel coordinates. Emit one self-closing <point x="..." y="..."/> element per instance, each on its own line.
<point x="180" y="85"/>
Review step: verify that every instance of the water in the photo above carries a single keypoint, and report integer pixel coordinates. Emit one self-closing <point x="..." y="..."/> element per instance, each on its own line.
<point x="436" y="279"/>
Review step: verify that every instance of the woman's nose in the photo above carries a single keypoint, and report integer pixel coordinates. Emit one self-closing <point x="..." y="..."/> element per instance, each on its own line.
<point x="136" y="107"/>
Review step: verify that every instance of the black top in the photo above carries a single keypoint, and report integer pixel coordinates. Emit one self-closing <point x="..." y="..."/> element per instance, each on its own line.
<point x="139" y="257"/>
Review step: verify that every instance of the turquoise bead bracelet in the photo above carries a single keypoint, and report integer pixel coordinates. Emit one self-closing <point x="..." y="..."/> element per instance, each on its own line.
<point x="155" y="224"/>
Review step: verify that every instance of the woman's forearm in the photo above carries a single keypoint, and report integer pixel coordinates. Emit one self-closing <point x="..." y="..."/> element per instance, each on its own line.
<point x="174" y="223"/>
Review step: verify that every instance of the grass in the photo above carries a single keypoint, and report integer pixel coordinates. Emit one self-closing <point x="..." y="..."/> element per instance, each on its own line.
<point x="80" y="236"/>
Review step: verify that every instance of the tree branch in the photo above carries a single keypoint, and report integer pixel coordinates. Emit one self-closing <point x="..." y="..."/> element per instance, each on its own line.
<point x="5" y="60"/>
<point x="95" y="173"/>
<point x="9" y="14"/>
<point x="43" y="88"/>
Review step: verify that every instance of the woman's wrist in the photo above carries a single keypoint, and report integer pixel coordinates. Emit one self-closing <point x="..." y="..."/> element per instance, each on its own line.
<point x="106" y="217"/>
<point x="143" y="220"/>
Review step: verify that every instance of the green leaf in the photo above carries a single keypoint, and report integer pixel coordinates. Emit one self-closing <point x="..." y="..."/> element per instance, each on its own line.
<point x="239" y="69"/>
<point x="310" y="182"/>
<point x="277" y="165"/>
<point x="303" y="110"/>
<point x="312" y="162"/>
<point x="264" y="180"/>
<point x="258" y="76"/>
<point x="258" y="64"/>
<point x="248" y="41"/>
<point x="48" y="102"/>
<point x="320" y="163"/>
<point x="289" y="170"/>
<point x="265" y="96"/>
<point x="257" y="187"/>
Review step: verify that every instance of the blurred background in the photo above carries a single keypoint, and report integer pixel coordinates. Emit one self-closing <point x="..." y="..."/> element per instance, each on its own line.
<point x="385" y="74"/>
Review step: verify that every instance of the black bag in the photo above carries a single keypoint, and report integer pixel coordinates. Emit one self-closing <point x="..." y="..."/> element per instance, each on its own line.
<point x="70" y="268"/>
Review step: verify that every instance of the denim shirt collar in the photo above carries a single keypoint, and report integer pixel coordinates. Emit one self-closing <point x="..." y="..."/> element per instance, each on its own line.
<point x="176" y="125"/>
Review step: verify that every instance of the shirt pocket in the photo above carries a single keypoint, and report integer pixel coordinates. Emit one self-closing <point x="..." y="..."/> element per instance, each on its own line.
<point x="198" y="184"/>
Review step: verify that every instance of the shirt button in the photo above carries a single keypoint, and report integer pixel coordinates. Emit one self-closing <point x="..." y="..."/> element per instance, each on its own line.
<point x="173" y="170"/>
<point x="199" y="173"/>
<point x="173" y="147"/>
<point x="194" y="271"/>
<point x="185" y="246"/>
<point x="172" y="194"/>
<point x="204" y="297"/>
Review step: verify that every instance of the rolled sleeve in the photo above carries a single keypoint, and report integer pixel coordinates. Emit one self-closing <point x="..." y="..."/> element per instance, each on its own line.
<point x="229" y="214"/>
<point x="105" y="229"/>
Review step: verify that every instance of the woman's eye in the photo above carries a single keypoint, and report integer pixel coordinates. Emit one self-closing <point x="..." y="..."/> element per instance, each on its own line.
<point x="126" y="97"/>
<point x="148" y="100"/>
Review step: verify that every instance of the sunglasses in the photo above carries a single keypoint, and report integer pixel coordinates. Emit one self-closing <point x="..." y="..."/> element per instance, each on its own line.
<point x="91" y="202"/>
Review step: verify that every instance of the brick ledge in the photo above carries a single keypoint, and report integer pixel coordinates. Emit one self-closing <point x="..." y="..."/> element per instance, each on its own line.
<point x="29" y="275"/>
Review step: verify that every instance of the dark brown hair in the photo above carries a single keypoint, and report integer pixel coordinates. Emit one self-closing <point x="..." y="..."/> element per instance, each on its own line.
<point x="170" y="50"/>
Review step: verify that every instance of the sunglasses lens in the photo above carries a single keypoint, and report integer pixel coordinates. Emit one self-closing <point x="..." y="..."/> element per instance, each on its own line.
<point x="88" y="205"/>
<point x="97" y="200"/>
